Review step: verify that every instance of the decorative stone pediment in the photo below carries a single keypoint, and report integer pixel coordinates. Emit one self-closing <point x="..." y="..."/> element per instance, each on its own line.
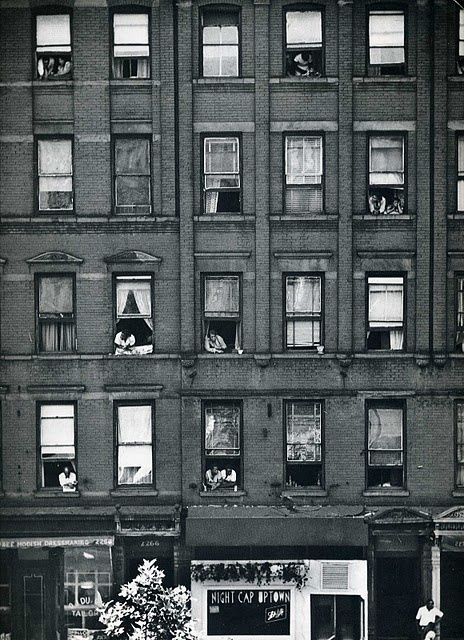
<point x="400" y="515"/>
<point x="454" y="514"/>
<point x="132" y="257"/>
<point x="55" y="257"/>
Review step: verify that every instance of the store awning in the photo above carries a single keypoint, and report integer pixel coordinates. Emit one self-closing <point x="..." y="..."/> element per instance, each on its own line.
<point x="269" y="526"/>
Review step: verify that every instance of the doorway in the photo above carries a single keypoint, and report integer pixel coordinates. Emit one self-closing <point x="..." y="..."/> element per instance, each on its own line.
<point x="397" y="594"/>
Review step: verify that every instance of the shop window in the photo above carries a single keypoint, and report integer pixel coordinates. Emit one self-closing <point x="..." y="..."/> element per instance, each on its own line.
<point x="55" y="174"/>
<point x="134" y="315"/>
<point x="385" y="313"/>
<point x="303" y="43"/>
<point x="303" y="174"/>
<point x="336" y="617"/>
<point x="53" y="47"/>
<point x="386" y="175"/>
<point x="56" y="315"/>
<point x="303" y="311"/>
<point x="220" y="41"/>
<point x="221" y="175"/>
<point x="303" y="444"/>
<point x="87" y="587"/>
<point x="132" y="193"/>
<point x="131" y="45"/>
<point x="221" y="313"/>
<point x="386" y="42"/>
<point x="134" y="423"/>
<point x="460" y="313"/>
<point x="385" y="445"/>
<point x="460" y="61"/>
<point x="460" y="186"/>
<point x="222" y="445"/>
<point x="57" y="446"/>
<point x="5" y="601"/>
<point x="459" y="444"/>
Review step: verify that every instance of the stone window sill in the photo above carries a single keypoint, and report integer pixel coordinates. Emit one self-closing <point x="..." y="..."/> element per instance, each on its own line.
<point x="223" y="493"/>
<point x="134" y="491"/>
<point x="52" y="493"/>
<point x="304" y="492"/>
<point x="386" y="492"/>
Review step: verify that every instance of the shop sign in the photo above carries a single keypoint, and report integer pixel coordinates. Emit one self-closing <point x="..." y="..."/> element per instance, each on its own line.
<point x="259" y="612"/>
<point x="33" y="543"/>
<point x="452" y="543"/>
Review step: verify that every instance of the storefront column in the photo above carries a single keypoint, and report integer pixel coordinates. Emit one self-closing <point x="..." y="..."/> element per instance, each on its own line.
<point x="371" y="588"/>
<point x="436" y="555"/>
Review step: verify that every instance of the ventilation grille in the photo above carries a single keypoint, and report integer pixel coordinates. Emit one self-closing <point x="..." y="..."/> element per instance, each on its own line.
<point x="334" y="575"/>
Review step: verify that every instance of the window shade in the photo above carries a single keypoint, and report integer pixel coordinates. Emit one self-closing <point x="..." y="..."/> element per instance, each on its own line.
<point x="57" y="427"/>
<point x="55" y="157"/>
<point x="304" y="27"/>
<point x="53" y="33"/>
<point x="303" y="294"/>
<point x="134" y="424"/>
<point x="385" y="428"/>
<point x="221" y="155"/>
<point x="386" y="29"/>
<point x="222" y="295"/>
<point x="55" y="295"/>
<point x="385" y="304"/>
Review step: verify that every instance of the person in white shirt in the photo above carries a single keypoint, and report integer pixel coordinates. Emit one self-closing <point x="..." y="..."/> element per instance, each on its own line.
<point x="67" y="480"/>
<point x="213" y="478"/>
<point x="124" y="342"/>
<point x="427" y="618"/>
<point x="214" y="343"/>
<point x="229" y="477"/>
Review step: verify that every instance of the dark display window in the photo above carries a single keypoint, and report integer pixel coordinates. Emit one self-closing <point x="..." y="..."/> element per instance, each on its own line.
<point x="336" y="617"/>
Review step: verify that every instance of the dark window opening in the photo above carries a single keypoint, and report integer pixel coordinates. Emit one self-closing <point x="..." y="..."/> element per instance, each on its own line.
<point x="386" y="175"/>
<point x="460" y="60"/>
<point x="303" y="48"/>
<point x="336" y="617"/>
<point x="386" y="43"/>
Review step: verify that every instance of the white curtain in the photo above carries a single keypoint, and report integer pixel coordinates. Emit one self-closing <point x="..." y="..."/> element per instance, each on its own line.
<point x="134" y="424"/>
<point x="304" y="27"/>
<point x="141" y="291"/>
<point x="57" y="429"/>
<point x="303" y="294"/>
<point x="385" y="304"/>
<point x="142" y="297"/>
<point x="386" y="160"/>
<point x="222" y="295"/>
<point x="396" y="339"/>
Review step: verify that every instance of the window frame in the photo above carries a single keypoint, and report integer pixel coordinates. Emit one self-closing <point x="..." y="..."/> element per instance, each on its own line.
<point x="303" y="134"/>
<point x="133" y="403"/>
<point x="387" y="274"/>
<point x="52" y="137"/>
<point x="132" y="209"/>
<point x="397" y="8"/>
<point x="458" y="277"/>
<point x="310" y="274"/>
<point x="386" y="403"/>
<point x="204" y="191"/>
<point x="458" y="40"/>
<point x="286" y="403"/>
<point x="52" y="10"/>
<point x="221" y="6"/>
<point x="53" y="274"/>
<point x="385" y="134"/>
<point x="127" y="10"/>
<point x="303" y="7"/>
<point x="457" y="463"/>
<point x="217" y="275"/>
<point x="459" y="174"/>
<point x="222" y="401"/>
<point x="132" y="276"/>
<point x="39" y="473"/>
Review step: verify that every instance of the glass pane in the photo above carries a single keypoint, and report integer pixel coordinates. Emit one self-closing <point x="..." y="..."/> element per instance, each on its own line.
<point x="222" y="182"/>
<point x="387" y="55"/>
<point x="386" y="29"/>
<point x="385" y="303"/>
<point x="461" y="195"/>
<point x="53" y="30"/>
<point x="134" y="423"/>
<point x="132" y="191"/>
<point x="135" y="464"/>
<point x="303" y="294"/>
<point x="222" y="429"/>
<point x="132" y="156"/>
<point x="304" y="27"/>
<point x="229" y="35"/>
<point x="386" y="154"/>
<point x="385" y="458"/>
<point x="133" y="298"/>
<point x="211" y="35"/>
<point x="222" y="295"/>
<point x="211" y="62"/>
<point x="303" y="158"/>
<point x="130" y="28"/>
<point x="57" y="425"/>
<point x="55" y="294"/>
<point x="229" y="61"/>
<point x="214" y="17"/>
<point x="303" y="333"/>
<point x="55" y="193"/>
<point x="304" y="431"/>
<point x="221" y="155"/>
<point x="322" y="617"/>
<point x="55" y="157"/>
<point x="385" y="428"/>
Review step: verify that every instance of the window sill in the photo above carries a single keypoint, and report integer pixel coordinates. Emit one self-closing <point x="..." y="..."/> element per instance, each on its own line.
<point x="130" y="82"/>
<point x="456" y="78"/>
<point x="391" y="492"/>
<point x="223" y="80"/>
<point x="224" y="217"/>
<point x="304" y="79"/>
<point x="215" y="356"/>
<point x="122" y="492"/>
<point x="303" y="217"/>
<point x="304" y="492"/>
<point x="53" y="83"/>
<point x="380" y="79"/>
<point x="223" y="493"/>
<point x="457" y="215"/>
<point x="458" y="493"/>
<point x="52" y="493"/>
<point x="383" y="216"/>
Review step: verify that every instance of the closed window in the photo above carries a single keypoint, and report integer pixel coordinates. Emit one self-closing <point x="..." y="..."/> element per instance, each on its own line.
<point x="134" y="315"/>
<point x="221" y="175"/>
<point x="132" y="175"/>
<point x="459" y="443"/>
<point x="221" y="313"/>
<point x="460" y="61"/>
<point x="220" y="41"/>
<point x="460" y="313"/>
<point x="131" y="45"/>
<point x="55" y="174"/>
<point x="460" y="172"/>
<point x="57" y="446"/>
<point x="386" y="42"/>
<point x="134" y="443"/>
<point x="385" y="312"/>
<point x="53" y="47"/>
<point x="303" y="311"/>
<point x="55" y="310"/>
<point x="303" y="174"/>
<point x="222" y="452"/>
<point x="385" y="467"/>
<point x="386" y="175"/>
<point x="338" y="616"/>
<point x="303" y="43"/>
<point x="303" y="444"/>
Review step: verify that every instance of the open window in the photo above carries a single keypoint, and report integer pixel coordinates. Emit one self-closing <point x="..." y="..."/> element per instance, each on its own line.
<point x="385" y="313"/>
<point x="386" y="175"/>
<point x="53" y="46"/>
<point x="132" y="175"/>
<point x="303" y="444"/>
<point x="134" y="315"/>
<point x="56" y="318"/>
<point x="57" y="446"/>
<point x="336" y="616"/>
<point x="134" y="423"/>
<point x="131" y="45"/>
<point x="54" y="156"/>
<point x="460" y="60"/>
<point x="221" y="313"/>
<point x="459" y="431"/>
<point x="303" y="43"/>
<point x="460" y="172"/>
<point x="221" y="175"/>
<point x="222" y="445"/>
<point x="385" y="444"/>
<point x="303" y="311"/>
<point x="460" y="313"/>
<point x="220" y="41"/>
<point x="303" y="174"/>
<point x="386" y="42"/>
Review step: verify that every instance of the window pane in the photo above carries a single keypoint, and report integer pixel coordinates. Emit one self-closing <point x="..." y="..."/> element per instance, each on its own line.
<point x="386" y="154"/>
<point x="386" y="29"/>
<point x="385" y="428"/>
<point x="222" y="430"/>
<point x="221" y="155"/>
<point x="132" y="156"/>
<point x="304" y="27"/>
<point x="52" y="31"/>
<point x="133" y="298"/>
<point x="132" y="191"/>
<point x="304" y="431"/>
<point x="385" y="304"/>
<point x="388" y="55"/>
<point x="303" y="159"/>
<point x="135" y="464"/>
<point x="55" y="157"/>
<point x="55" y="295"/>
<point x="132" y="51"/>
<point x="303" y="294"/>
<point x="303" y="333"/>
<point x="57" y="425"/>
<point x="222" y="295"/>
<point x="134" y="423"/>
<point x="130" y="28"/>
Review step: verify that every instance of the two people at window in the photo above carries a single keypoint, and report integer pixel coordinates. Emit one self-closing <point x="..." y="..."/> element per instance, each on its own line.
<point x="215" y="478"/>
<point x="378" y="204"/>
<point x="48" y="67"/>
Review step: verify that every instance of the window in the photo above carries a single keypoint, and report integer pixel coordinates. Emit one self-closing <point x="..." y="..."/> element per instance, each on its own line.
<point x="5" y="598"/>
<point x="303" y="311"/>
<point x="221" y="175"/>
<point x="304" y="444"/>
<point x="385" y="445"/>
<point x="386" y="313"/>
<point x="132" y="175"/>
<point x="386" y="175"/>
<point x="134" y="316"/>
<point x="53" y="47"/>
<point x="56" y="317"/>
<point x="303" y="174"/>
<point x="220" y="41"/>
<point x="221" y="313"/>
<point x="55" y="174"/>
<point x="57" y="444"/>
<point x="336" y="617"/>
<point x="386" y="42"/>
<point x="135" y="444"/>
<point x="461" y="172"/>
<point x="460" y="313"/>
<point x="131" y="48"/>
<point x="303" y="43"/>
<point x="222" y="445"/>
<point x="459" y="443"/>
<point x="460" y="63"/>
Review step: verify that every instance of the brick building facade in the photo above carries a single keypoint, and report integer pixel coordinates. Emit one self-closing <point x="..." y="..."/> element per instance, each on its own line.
<point x="290" y="175"/>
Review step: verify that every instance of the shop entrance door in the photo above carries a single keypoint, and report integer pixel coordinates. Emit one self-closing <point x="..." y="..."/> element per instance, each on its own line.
<point x="336" y="617"/>
<point x="36" y="604"/>
<point x="397" y="592"/>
